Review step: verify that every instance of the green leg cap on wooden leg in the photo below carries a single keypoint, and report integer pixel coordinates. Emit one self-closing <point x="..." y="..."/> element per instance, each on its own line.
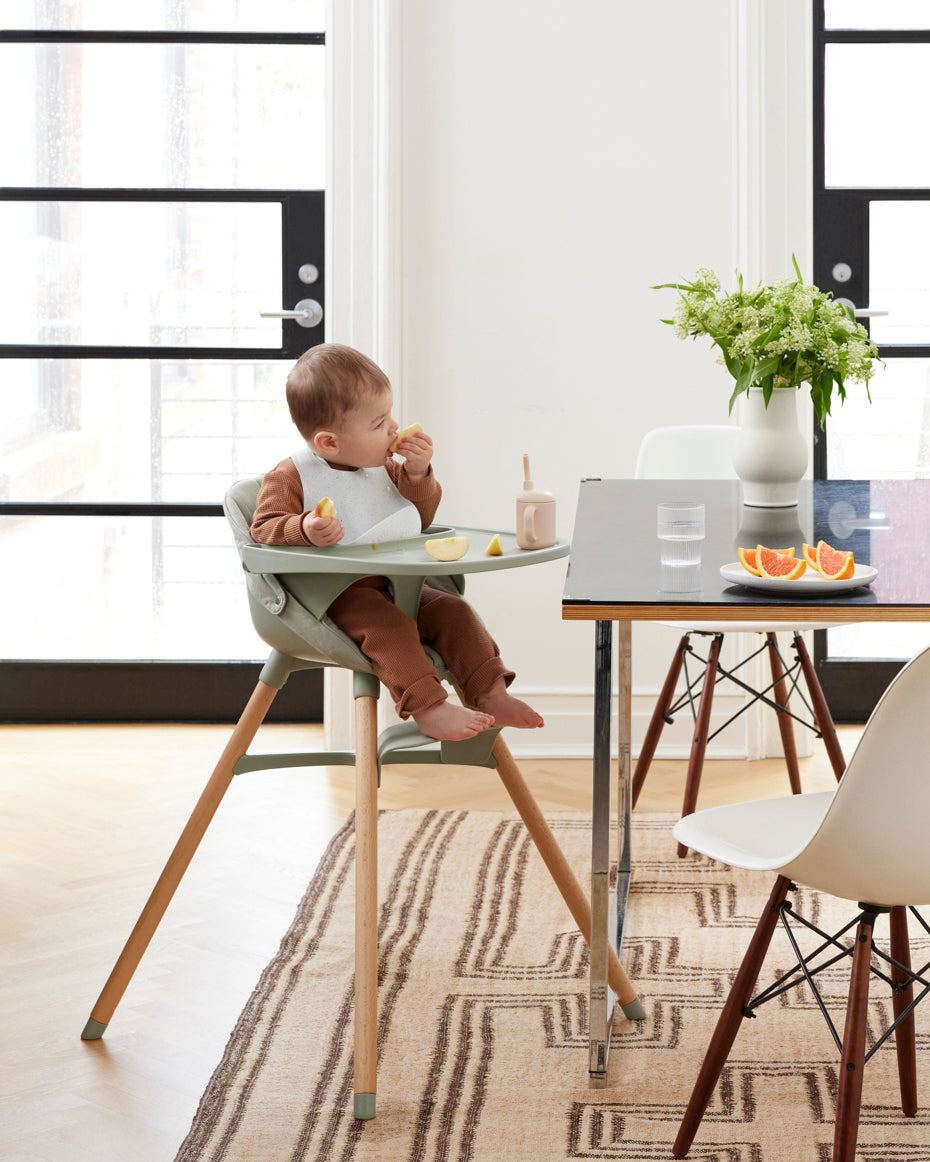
<point x="365" y="1106"/>
<point x="634" y="1011"/>
<point x="93" y="1030"/>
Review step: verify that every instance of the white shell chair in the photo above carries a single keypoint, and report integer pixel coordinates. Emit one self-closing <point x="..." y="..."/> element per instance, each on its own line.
<point x="705" y="452"/>
<point x="865" y="841"/>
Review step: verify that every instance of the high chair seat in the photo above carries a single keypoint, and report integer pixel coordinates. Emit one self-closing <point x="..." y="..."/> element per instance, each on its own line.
<point x="289" y="592"/>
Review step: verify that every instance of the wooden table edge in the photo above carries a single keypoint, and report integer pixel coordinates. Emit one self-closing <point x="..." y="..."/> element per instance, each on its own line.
<point x="793" y="614"/>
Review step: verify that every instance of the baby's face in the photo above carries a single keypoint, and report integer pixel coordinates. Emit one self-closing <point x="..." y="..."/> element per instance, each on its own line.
<point x="365" y="434"/>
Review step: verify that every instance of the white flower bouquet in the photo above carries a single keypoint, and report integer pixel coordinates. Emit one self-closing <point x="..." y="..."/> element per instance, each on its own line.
<point x="780" y="335"/>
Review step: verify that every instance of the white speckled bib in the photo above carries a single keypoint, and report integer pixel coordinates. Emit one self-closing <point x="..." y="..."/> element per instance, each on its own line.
<point x="367" y="500"/>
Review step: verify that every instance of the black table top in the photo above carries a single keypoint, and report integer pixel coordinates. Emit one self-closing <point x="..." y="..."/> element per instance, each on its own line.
<point x="614" y="564"/>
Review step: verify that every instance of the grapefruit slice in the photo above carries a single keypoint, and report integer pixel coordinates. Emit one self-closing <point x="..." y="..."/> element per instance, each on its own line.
<point x="781" y="566"/>
<point x="834" y="564"/>
<point x="747" y="558"/>
<point x="809" y="553"/>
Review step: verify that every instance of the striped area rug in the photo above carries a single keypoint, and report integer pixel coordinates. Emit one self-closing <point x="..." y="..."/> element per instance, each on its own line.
<point x="483" y="998"/>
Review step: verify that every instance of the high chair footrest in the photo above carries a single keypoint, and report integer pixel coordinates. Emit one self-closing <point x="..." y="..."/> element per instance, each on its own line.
<point x="404" y="743"/>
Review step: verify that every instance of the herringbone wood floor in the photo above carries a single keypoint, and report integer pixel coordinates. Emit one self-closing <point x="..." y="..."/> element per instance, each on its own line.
<point x="89" y="815"/>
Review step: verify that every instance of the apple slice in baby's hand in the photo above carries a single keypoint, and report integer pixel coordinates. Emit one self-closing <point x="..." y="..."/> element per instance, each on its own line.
<point x="447" y="548"/>
<point x="325" y="507"/>
<point x="411" y="431"/>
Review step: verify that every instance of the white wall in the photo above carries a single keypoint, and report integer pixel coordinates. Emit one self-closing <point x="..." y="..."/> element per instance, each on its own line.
<point x="549" y="163"/>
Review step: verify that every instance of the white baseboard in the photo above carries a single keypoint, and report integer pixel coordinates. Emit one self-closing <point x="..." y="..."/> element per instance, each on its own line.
<point x="569" y="719"/>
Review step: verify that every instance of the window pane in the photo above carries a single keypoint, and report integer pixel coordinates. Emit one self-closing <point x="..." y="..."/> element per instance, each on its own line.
<point x="899" y="257"/>
<point x="868" y="14"/>
<point x="890" y="438"/>
<point x="875" y="102"/>
<point x="168" y="15"/>
<point x="145" y="274"/>
<point x="146" y="588"/>
<point x="163" y="116"/>
<point x="139" y="431"/>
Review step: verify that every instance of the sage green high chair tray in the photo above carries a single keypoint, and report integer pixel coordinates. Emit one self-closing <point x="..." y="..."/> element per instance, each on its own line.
<point x="289" y="591"/>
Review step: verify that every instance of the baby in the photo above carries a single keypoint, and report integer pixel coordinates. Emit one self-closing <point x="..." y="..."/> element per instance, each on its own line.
<point x="340" y="402"/>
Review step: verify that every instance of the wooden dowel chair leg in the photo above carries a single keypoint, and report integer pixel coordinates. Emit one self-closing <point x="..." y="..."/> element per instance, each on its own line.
<point x="560" y="870"/>
<point x="730" y="1019"/>
<point x="904" y="1036"/>
<point x="366" y="906"/>
<point x="150" y="917"/>
<point x="701" y="730"/>
<point x="785" y="727"/>
<point x="657" y="722"/>
<point x="852" y="1061"/>
<point x="821" y="710"/>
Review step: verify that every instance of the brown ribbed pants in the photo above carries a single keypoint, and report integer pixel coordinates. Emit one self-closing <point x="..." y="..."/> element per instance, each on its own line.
<point x="393" y="643"/>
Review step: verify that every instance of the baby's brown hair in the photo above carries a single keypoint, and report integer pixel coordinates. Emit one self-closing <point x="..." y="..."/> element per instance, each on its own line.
<point x="328" y="381"/>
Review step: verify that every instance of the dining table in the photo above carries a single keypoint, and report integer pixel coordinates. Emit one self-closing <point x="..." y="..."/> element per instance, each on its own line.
<point x="614" y="579"/>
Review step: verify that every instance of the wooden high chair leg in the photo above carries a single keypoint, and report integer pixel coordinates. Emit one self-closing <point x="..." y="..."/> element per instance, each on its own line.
<point x="701" y="730"/>
<point x="729" y="1021"/>
<point x="657" y="722"/>
<point x="849" y="1092"/>
<point x="251" y="719"/>
<point x="366" y="906"/>
<point x="780" y="694"/>
<point x="904" y="1036"/>
<point x="563" y="876"/>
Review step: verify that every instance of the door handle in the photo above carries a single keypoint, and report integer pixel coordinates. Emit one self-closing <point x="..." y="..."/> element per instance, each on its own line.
<point x="862" y="312"/>
<point x="306" y="313"/>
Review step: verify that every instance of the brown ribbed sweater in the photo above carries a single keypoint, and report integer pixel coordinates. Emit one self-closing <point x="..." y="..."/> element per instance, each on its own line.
<point x="280" y="509"/>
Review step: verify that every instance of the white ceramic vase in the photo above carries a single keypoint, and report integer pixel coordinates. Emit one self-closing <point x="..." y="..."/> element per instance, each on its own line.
<point x="770" y="454"/>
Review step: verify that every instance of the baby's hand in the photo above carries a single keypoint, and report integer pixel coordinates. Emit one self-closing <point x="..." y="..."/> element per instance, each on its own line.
<point x="417" y="451"/>
<point x="322" y="531"/>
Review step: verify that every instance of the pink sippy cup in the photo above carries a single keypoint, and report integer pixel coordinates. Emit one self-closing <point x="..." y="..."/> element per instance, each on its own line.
<point x="535" y="514"/>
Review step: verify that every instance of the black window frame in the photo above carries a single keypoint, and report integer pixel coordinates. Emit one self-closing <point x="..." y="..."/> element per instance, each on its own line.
<point x="841" y="233"/>
<point x="151" y="690"/>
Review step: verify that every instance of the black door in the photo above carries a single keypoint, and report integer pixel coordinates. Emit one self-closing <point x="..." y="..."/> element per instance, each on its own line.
<point x="162" y="217"/>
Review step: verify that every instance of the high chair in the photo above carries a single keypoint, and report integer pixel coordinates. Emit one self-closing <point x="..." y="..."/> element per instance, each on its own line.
<point x="289" y="591"/>
<point x="865" y="841"/>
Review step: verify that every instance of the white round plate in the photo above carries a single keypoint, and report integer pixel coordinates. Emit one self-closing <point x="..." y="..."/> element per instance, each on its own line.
<point x="807" y="584"/>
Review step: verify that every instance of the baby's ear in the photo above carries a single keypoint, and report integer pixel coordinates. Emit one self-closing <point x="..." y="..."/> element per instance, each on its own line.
<point x="325" y="443"/>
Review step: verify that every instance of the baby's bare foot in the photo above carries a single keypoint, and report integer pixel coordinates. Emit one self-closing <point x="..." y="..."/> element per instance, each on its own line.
<point x="509" y="711"/>
<point x="454" y="723"/>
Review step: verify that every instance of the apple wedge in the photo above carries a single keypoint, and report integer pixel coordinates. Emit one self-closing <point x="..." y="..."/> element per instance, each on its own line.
<point x="495" y="548"/>
<point x="447" y="548"/>
<point x="412" y="430"/>
<point x="325" y="507"/>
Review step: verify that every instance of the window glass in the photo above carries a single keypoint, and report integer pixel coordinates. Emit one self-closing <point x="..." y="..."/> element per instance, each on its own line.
<point x="167" y="15"/>
<point x="869" y="14"/>
<point x="875" y="97"/>
<point x="146" y="274"/>
<point x="889" y="438"/>
<point x="136" y="431"/>
<point x="899" y="257"/>
<point x="165" y="116"/>
<point x="134" y="588"/>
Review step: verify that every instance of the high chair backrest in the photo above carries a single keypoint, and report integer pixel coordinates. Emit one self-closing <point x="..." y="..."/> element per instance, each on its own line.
<point x="280" y="620"/>
<point x="872" y="844"/>
<point x="687" y="452"/>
